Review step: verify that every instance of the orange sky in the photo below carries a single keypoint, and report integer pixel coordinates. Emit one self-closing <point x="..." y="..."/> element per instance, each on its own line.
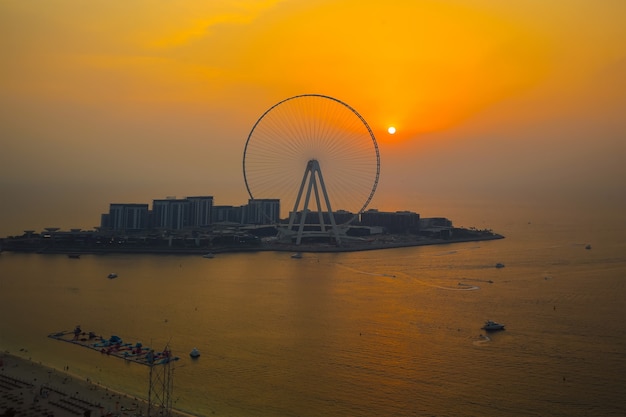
<point x="129" y="101"/>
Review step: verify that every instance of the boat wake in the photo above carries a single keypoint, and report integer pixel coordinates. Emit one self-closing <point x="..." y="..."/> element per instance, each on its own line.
<point x="455" y="251"/>
<point x="460" y="286"/>
<point x="358" y="271"/>
<point x="482" y="339"/>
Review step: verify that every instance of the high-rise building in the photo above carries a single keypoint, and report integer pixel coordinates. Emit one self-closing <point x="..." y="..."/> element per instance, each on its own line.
<point x="177" y="214"/>
<point x="228" y="214"/>
<point x="161" y="214"/>
<point x="200" y="211"/>
<point x="171" y="214"/>
<point x="127" y="217"/>
<point x="263" y="211"/>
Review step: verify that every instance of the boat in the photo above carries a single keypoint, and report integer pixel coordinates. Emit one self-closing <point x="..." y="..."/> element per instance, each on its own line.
<point x="499" y="265"/>
<point x="195" y="353"/>
<point x="208" y="255"/>
<point x="73" y="255"/>
<point x="588" y="247"/>
<point x="112" y="275"/>
<point x="491" y="325"/>
<point x="297" y="255"/>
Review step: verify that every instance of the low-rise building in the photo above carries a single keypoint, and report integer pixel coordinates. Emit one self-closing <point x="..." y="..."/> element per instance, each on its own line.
<point x="394" y="222"/>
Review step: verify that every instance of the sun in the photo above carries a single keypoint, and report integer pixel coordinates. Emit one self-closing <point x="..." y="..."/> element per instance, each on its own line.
<point x="391" y="130"/>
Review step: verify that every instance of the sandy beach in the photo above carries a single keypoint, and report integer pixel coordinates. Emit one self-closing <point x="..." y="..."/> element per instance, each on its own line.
<point x="33" y="390"/>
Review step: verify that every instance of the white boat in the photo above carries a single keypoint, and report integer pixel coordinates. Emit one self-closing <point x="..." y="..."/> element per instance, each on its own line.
<point x="208" y="255"/>
<point x="297" y="255"/>
<point x="112" y="275"/>
<point x="491" y="325"/>
<point x="194" y="353"/>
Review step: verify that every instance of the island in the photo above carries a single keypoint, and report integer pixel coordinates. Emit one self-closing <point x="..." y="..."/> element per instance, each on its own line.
<point x="231" y="239"/>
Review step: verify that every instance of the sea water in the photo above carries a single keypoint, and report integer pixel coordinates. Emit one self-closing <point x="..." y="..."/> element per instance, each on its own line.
<point x="388" y="332"/>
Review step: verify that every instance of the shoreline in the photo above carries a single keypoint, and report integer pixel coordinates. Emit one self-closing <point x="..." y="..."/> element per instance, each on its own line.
<point x="31" y="388"/>
<point x="392" y="242"/>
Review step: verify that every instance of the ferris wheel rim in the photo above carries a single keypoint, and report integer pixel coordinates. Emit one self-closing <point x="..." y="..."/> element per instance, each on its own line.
<point x="340" y="102"/>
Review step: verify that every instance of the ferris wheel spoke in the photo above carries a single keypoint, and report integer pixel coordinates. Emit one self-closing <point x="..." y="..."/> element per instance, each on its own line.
<point x="307" y="128"/>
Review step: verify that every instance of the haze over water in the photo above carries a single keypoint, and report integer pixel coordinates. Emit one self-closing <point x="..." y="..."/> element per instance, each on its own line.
<point x="117" y="102"/>
<point x="508" y="116"/>
<point x="391" y="332"/>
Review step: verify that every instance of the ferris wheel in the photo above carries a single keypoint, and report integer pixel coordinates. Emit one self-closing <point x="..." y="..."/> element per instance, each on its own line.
<point x="312" y="148"/>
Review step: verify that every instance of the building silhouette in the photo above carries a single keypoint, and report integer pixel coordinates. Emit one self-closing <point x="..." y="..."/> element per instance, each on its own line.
<point x="189" y="213"/>
<point x="394" y="222"/>
<point x="199" y="213"/>
<point x="129" y="217"/>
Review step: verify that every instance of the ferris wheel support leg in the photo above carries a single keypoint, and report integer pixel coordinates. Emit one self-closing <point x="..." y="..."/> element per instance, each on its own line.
<point x="292" y="217"/>
<point x="305" y="209"/>
<point x="320" y="215"/>
<point x="333" y="225"/>
<point x="312" y="175"/>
